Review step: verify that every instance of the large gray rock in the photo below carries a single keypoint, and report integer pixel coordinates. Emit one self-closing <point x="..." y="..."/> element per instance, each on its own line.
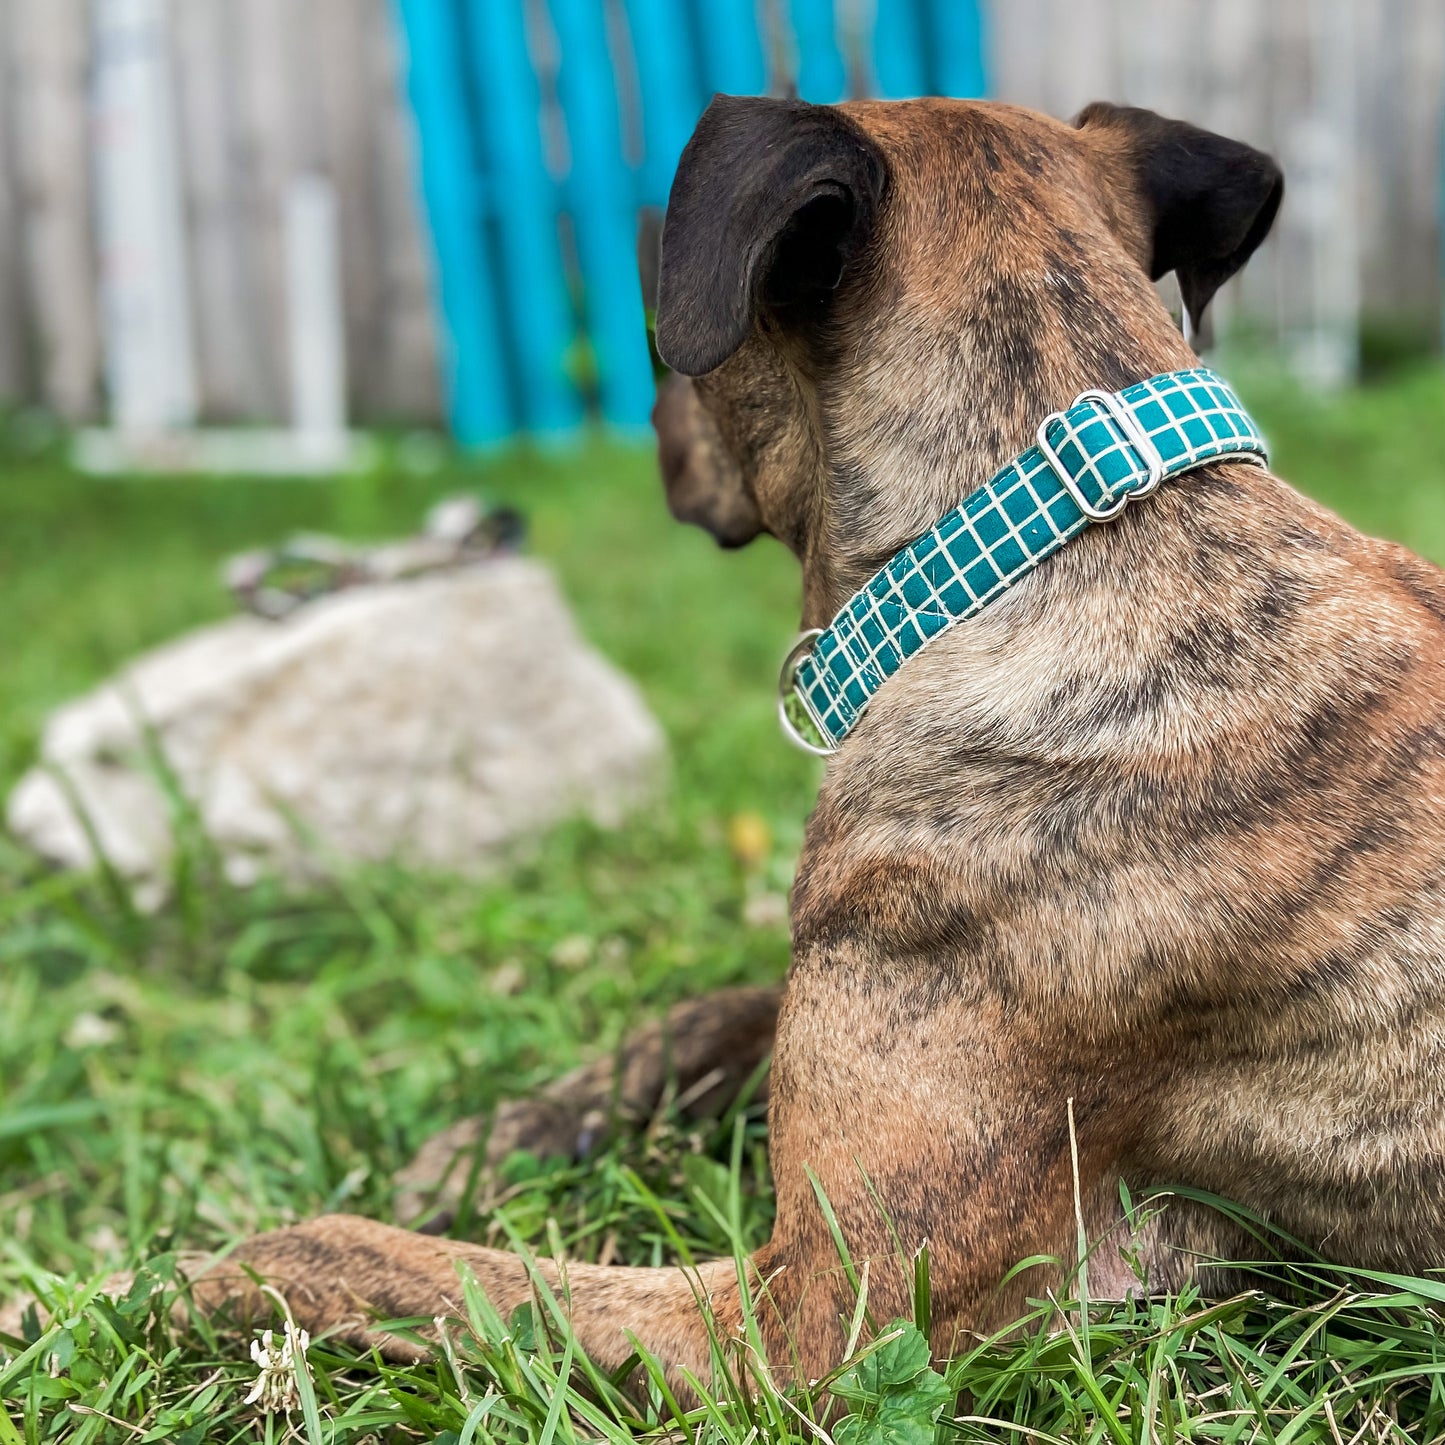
<point x="435" y="720"/>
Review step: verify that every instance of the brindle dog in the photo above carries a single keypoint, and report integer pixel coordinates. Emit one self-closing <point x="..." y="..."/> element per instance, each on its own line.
<point x="1160" y="833"/>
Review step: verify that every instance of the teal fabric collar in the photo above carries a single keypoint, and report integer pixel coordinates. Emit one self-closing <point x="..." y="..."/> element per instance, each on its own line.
<point x="1089" y="462"/>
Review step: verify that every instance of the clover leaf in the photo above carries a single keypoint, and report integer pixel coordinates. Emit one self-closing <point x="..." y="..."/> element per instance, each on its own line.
<point x="896" y="1398"/>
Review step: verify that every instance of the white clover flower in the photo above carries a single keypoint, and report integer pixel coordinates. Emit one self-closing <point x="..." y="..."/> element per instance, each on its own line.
<point x="279" y="1362"/>
<point x="89" y="1030"/>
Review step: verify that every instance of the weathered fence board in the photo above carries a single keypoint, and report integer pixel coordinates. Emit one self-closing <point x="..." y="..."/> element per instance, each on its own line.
<point x="268" y="88"/>
<point x="394" y="326"/>
<point x="232" y="360"/>
<point x="1261" y="72"/>
<point x="16" y="372"/>
<point x="50" y="49"/>
<point x="354" y="115"/>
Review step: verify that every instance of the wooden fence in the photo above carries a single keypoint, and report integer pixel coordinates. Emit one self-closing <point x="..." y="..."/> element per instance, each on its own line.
<point x="548" y="129"/>
<point x="267" y="89"/>
<point x="1348" y="94"/>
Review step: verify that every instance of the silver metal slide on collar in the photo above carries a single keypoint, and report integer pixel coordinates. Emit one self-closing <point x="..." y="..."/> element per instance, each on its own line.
<point x="1131" y="431"/>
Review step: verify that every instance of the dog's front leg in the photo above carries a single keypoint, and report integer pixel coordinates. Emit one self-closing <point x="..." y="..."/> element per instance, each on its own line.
<point x="340" y="1274"/>
<point x="923" y="1113"/>
<point x="929" y="1113"/>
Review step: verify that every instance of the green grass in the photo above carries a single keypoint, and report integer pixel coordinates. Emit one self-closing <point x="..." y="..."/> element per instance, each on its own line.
<point x="240" y="1060"/>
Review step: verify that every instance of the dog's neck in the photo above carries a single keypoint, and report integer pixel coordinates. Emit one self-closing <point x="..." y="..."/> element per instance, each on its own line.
<point x="1062" y="670"/>
<point x="905" y="442"/>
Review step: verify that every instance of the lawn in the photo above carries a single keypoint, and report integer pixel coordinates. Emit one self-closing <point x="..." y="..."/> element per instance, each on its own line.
<point x="243" y="1059"/>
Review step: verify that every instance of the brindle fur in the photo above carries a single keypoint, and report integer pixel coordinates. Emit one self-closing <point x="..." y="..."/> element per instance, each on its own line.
<point x="1162" y="832"/>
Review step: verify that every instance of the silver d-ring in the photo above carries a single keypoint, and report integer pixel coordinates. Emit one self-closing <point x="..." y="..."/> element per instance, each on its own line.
<point x="786" y="673"/>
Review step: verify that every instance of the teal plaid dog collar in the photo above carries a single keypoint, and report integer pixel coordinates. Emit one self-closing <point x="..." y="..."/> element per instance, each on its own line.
<point x="1089" y="462"/>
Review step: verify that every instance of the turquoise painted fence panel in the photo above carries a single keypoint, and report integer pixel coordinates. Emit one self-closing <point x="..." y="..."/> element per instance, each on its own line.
<point x="900" y="60"/>
<point x="532" y="295"/>
<point x="956" y="47"/>
<point x="601" y="195"/>
<point x="822" y="70"/>
<point x="548" y="126"/>
<point x="732" y="48"/>
<point x="474" y="364"/>
<point x="669" y="84"/>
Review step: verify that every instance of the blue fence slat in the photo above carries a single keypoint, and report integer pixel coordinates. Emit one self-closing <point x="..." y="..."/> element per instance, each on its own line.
<point x="671" y="92"/>
<point x="899" y="66"/>
<point x="956" y="47"/>
<point x="732" y="48"/>
<point x="473" y="358"/>
<point x="822" y="73"/>
<point x="511" y="318"/>
<point x="604" y="213"/>
<point x="540" y="324"/>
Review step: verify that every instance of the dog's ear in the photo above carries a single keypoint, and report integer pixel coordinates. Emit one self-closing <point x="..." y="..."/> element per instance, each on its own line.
<point x="1209" y="201"/>
<point x="771" y="201"/>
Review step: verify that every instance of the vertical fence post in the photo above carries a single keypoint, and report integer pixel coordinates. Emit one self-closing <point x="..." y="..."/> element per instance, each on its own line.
<point x="671" y="92"/>
<point x="473" y="365"/>
<point x="540" y="327"/>
<point x="315" y="316"/>
<point x="150" y="365"/>
<point x="898" y="66"/>
<point x="822" y="75"/>
<point x="604" y="213"/>
<point x="1322" y="224"/>
<point x="956" y="44"/>
<point x="49" y="61"/>
<point x="732" y="48"/>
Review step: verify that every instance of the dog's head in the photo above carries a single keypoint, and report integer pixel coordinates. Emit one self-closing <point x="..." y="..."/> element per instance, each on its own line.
<point x="870" y="306"/>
